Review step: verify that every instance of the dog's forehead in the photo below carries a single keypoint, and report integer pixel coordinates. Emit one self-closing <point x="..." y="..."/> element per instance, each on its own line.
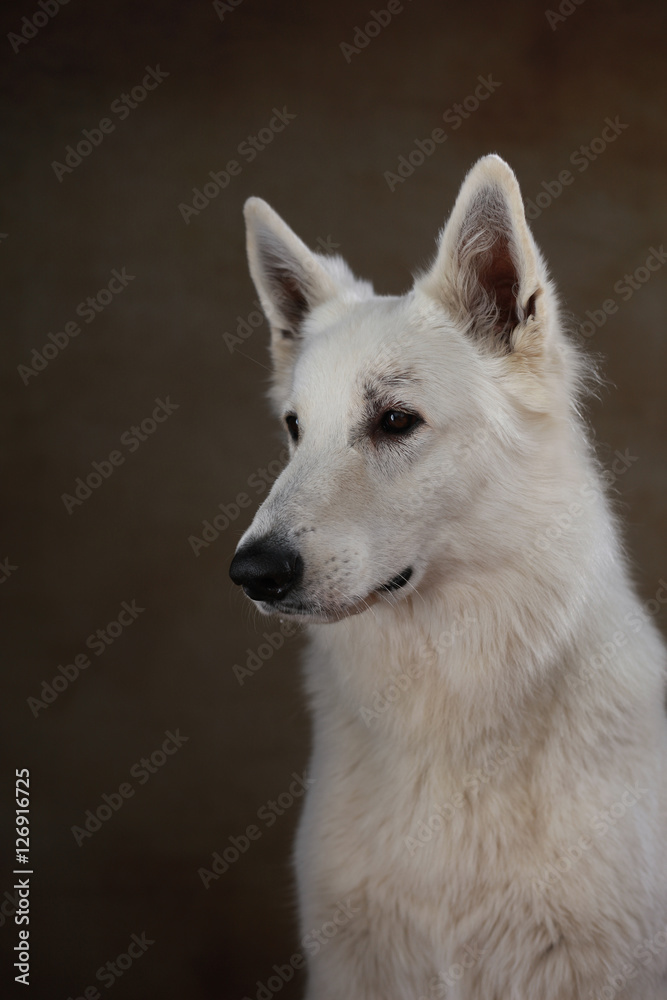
<point x="349" y="347"/>
<point x="380" y="350"/>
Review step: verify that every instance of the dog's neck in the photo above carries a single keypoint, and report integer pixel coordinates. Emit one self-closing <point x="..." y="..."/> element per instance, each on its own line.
<point x="475" y="660"/>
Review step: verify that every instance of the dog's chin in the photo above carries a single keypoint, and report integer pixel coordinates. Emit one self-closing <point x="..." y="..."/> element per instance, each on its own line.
<point x="317" y="612"/>
<point x="314" y="611"/>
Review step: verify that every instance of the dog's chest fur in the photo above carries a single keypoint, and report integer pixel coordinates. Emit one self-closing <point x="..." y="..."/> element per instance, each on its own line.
<point x="444" y="818"/>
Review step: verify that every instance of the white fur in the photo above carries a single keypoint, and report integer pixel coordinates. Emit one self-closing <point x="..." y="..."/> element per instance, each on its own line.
<point x="466" y="694"/>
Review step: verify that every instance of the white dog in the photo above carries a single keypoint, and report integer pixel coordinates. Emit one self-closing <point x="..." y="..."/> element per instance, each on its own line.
<point x="490" y="740"/>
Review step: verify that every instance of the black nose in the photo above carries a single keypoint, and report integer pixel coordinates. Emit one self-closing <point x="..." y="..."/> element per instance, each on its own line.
<point x="267" y="571"/>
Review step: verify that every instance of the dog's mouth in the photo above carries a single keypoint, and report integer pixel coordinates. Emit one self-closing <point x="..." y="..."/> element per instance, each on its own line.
<point x="318" y="612"/>
<point x="396" y="582"/>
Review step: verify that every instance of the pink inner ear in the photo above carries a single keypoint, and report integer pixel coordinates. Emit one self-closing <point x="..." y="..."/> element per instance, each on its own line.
<point x="287" y="289"/>
<point x="295" y="303"/>
<point x="489" y="275"/>
<point x="497" y="275"/>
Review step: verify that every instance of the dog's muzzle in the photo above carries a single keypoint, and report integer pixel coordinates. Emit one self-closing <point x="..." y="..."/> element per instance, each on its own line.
<point x="267" y="571"/>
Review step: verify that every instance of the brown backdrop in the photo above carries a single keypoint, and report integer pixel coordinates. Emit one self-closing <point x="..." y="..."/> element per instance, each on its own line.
<point x="218" y="73"/>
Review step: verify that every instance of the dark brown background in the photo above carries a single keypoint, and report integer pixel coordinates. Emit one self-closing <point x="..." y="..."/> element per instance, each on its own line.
<point x="164" y="336"/>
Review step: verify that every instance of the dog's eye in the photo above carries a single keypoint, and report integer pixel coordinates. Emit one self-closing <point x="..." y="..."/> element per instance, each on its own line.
<point x="292" y="422"/>
<point x="399" y="421"/>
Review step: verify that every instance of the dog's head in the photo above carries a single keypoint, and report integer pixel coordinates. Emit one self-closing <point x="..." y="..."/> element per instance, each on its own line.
<point x="411" y="420"/>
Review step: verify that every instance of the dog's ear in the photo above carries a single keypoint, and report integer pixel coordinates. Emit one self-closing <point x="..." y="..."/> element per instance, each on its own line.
<point x="488" y="271"/>
<point x="289" y="278"/>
